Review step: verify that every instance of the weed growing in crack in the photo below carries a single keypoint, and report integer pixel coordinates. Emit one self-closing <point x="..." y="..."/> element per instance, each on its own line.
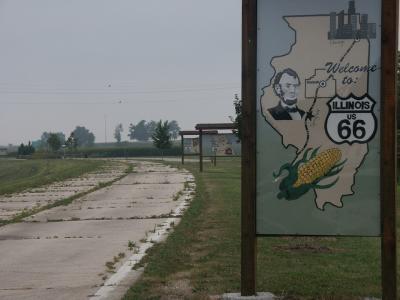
<point x="131" y="245"/>
<point x="154" y="229"/>
<point x="137" y="266"/>
<point x="110" y="266"/>
<point x="177" y="196"/>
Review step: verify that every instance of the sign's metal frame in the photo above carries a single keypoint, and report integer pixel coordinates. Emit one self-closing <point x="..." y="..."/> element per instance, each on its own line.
<point x="388" y="147"/>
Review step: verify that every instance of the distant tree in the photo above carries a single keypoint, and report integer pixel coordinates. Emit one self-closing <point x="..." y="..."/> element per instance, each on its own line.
<point x="30" y="149"/>
<point x="71" y="143"/>
<point x="151" y="127"/>
<point x="21" y="149"/>
<point x="131" y="131"/>
<point x="43" y="139"/>
<point x="45" y="136"/>
<point x="54" y="142"/>
<point x="26" y="150"/>
<point x="84" y="138"/>
<point x="174" y="129"/>
<point x="161" y="136"/>
<point x="139" y="131"/>
<point x="143" y="130"/>
<point x="117" y="132"/>
<point x="237" y="120"/>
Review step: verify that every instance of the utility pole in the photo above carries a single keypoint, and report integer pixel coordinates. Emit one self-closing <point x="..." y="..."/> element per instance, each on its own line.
<point x="105" y="128"/>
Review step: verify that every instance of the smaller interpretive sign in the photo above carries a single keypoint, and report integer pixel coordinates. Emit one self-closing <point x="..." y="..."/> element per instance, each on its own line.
<point x="225" y="144"/>
<point x="191" y="146"/>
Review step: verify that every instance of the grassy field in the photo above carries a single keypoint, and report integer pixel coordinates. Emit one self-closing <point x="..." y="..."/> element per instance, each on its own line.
<point x="201" y="258"/>
<point x="17" y="175"/>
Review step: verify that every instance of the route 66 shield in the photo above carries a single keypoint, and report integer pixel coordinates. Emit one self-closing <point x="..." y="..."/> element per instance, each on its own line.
<point x="351" y="120"/>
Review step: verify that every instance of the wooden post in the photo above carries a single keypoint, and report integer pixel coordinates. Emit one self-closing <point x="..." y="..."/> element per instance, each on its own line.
<point x="201" y="149"/>
<point x="249" y="65"/>
<point x="183" y="150"/>
<point x="388" y="148"/>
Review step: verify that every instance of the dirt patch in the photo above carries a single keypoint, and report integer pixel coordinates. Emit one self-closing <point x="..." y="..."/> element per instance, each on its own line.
<point x="177" y="287"/>
<point x="309" y="239"/>
<point x="197" y="252"/>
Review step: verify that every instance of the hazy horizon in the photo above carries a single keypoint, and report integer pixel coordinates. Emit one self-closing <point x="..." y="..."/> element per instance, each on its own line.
<point x="100" y="62"/>
<point x="87" y="63"/>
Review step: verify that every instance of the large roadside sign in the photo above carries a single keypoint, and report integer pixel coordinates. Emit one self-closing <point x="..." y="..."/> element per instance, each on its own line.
<point x="318" y="147"/>
<point x="319" y="124"/>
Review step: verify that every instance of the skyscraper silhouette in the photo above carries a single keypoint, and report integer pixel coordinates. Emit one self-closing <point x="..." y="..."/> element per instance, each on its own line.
<point x="350" y="30"/>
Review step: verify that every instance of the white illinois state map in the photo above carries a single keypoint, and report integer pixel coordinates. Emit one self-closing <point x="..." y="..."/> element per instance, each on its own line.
<point x="318" y="101"/>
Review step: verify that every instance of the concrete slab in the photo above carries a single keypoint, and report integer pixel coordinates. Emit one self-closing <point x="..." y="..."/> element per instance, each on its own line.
<point x="173" y="159"/>
<point x="11" y="205"/>
<point x="117" y="203"/>
<point x="47" y="258"/>
<point x="154" y="178"/>
<point x="74" y="261"/>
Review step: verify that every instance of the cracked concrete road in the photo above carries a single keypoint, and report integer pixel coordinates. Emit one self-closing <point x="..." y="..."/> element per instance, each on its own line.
<point x="12" y="205"/>
<point x="69" y="252"/>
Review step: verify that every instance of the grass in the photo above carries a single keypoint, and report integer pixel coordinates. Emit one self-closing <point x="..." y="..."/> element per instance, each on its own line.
<point x="201" y="257"/>
<point x="19" y="175"/>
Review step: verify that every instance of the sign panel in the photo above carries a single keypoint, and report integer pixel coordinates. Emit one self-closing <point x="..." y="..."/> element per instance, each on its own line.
<point x="318" y="91"/>
<point x="223" y="144"/>
<point x="191" y="146"/>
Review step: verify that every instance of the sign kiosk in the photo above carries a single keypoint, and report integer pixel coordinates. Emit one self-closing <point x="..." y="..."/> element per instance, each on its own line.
<point x="190" y="146"/>
<point x="202" y="128"/>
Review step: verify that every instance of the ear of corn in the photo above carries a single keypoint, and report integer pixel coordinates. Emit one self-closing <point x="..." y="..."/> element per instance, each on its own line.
<point x="317" y="166"/>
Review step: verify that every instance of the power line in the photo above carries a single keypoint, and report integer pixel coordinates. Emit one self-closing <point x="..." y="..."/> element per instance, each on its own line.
<point x="46" y="88"/>
<point x="112" y="92"/>
<point x="112" y="83"/>
<point x="119" y="102"/>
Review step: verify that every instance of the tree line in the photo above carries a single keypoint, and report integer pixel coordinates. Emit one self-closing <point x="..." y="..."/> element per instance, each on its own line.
<point x="79" y="137"/>
<point x="144" y="130"/>
<point x="161" y="133"/>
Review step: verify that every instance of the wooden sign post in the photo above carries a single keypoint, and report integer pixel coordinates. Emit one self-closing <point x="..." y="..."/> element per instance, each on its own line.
<point x="182" y="149"/>
<point x="389" y="148"/>
<point x="249" y="65"/>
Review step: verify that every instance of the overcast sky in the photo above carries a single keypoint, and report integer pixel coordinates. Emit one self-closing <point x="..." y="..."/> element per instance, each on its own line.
<point x="84" y="62"/>
<point x="94" y="62"/>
